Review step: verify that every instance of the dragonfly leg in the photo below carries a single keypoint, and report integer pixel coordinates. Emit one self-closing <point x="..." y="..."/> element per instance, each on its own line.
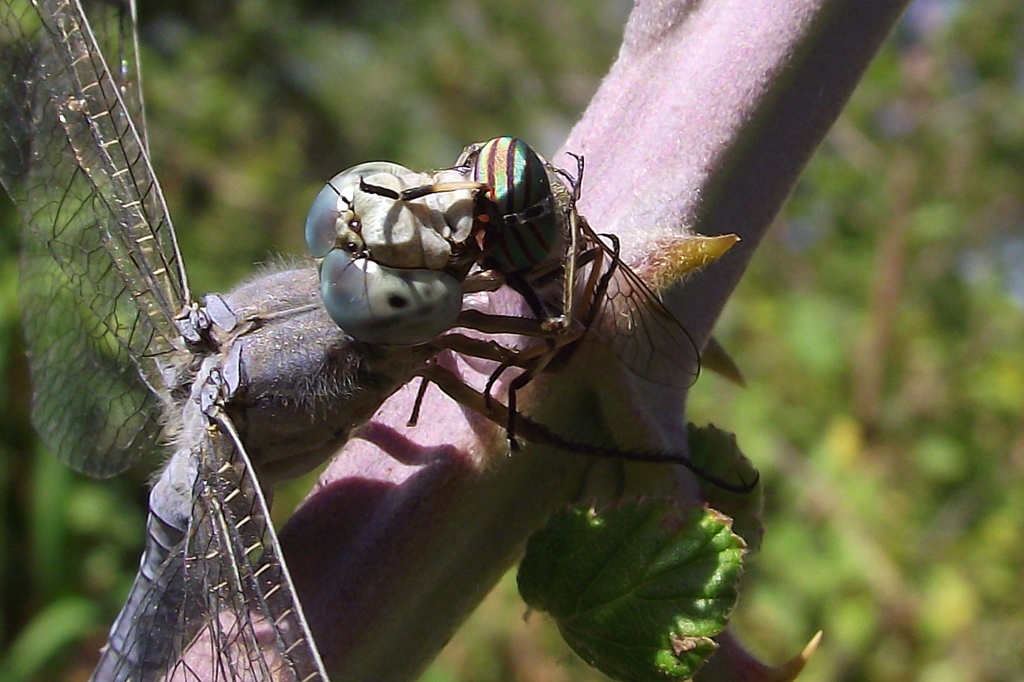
<point x="535" y="432"/>
<point x="472" y="347"/>
<point x="477" y="348"/>
<point x="414" y="418"/>
<point x="511" y="324"/>
<point x="481" y="402"/>
<point x="532" y="360"/>
<point x="533" y="363"/>
<point x="484" y="280"/>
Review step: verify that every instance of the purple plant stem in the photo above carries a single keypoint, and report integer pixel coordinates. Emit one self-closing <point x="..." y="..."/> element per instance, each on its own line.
<point x="703" y="124"/>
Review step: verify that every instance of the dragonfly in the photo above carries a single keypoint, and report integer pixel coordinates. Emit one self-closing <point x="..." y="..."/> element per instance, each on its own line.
<point x="251" y="387"/>
<point x="514" y="222"/>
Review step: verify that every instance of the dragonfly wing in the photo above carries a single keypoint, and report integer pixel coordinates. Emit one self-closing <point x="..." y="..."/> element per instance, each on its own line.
<point x="145" y="637"/>
<point x="248" y="610"/>
<point x="221" y="607"/>
<point x="90" y="404"/>
<point x="114" y="28"/>
<point x="101" y="274"/>
<point x="644" y="334"/>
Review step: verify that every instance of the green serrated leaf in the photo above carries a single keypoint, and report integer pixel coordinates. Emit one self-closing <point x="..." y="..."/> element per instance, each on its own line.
<point x="639" y="589"/>
<point x="716" y="452"/>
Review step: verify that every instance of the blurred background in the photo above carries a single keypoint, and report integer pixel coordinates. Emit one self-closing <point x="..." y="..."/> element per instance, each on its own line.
<point x="880" y="327"/>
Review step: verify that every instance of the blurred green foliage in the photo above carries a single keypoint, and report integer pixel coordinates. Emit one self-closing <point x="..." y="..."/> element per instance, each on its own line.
<point x="880" y="326"/>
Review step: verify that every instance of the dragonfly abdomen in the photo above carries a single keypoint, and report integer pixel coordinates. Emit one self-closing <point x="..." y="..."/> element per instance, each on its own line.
<point x="126" y="652"/>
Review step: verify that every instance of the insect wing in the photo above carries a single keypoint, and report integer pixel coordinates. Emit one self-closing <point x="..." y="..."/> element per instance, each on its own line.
<point x="644" y="334"/>
<point x="145" y="635"/>
<point x="101" y="278"/>
<point x="221" y="607"/>
<point x="250" y="603"/>
<point x="114" y="28"/>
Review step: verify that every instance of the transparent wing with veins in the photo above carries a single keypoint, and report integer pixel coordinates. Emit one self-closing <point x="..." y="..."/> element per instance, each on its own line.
<point x="101" y="276"/>
<point x="646" y="337"/>
<point x="612" y="301"/>
<point x="221" y="606"/>
<point x="101" y="286"/>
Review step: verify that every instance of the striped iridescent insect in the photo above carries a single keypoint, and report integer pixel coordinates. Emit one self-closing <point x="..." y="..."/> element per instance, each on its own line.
<point x="526" y="231"/>
<point x="534" y="234"/>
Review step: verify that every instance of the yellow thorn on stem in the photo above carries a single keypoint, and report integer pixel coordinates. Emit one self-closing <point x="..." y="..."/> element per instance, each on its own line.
<point x="789" y="670"/>
<point x="733" y="663"/>
<point x="674" y="261"/>
<point x="718" y="360"/>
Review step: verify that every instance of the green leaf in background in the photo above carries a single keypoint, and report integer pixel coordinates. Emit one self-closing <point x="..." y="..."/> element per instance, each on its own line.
<point x="62" y="622"/>
<point x="638" y="589"/>
<point x="715" y="451"/>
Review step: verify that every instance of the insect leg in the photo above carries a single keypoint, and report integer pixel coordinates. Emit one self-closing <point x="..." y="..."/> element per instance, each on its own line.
<point x="535" y="432"/>
<point x="414" y="418"/>
<point x="532" y="360"/>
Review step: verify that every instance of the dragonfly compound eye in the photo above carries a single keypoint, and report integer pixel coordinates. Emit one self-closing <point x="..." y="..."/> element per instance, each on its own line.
<point x="323" y="219"/>
<point x="331" y="219"/>
<point x="388" y="306"/>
